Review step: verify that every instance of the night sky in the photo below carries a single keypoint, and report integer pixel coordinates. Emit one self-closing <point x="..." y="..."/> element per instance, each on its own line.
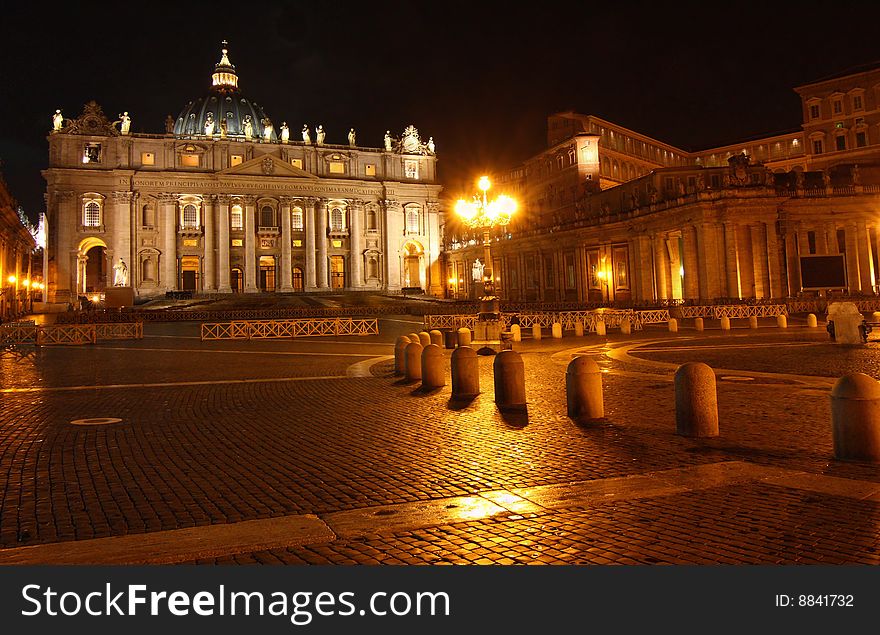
<point x="479" y="77"/>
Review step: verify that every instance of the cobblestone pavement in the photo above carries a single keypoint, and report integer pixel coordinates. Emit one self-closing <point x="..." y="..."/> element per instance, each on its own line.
<point x="216" y="433"/>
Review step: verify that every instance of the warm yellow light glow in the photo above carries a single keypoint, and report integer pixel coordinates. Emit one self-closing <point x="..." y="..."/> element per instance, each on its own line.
<point x="484" y="183"/>
<point x="468" y="210"/>
<point x="96" y="298"/>
<point x="12" y="279"/>
<point x="600" y="274"/>
<point x="26" y="282"/>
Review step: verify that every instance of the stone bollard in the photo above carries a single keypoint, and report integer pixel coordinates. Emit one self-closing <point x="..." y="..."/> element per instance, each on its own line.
<point x="413" y="365"/>
<point x="600" y="327"/>
<point x="673" y="325"/>
<point x="400" y="354"/>
<point x="436" y="337"/>
<point x="536" y="331"/>
<point x="583" y="389"/>
<point x="782" y="321"/>
<point x="556" y="331"/>
<point x="465" y="372"/>
<point x="510" y="381"/>
<point x="625" y="326"/>
<point x="698" y="324"/>
<point x="812" y="322"/>
<point x="464" y="336"/>
<point x="414" y="337"/>
<point x="578" y="329"/>
<point x="432" y="367"/>
<point x="516" y="332"/>
<point x="855" y="418"/>
<point x="725" y="323"/>
<point x="696" y="402"/>
<point x="424" y="338"/>
<point x="753" y="322"/>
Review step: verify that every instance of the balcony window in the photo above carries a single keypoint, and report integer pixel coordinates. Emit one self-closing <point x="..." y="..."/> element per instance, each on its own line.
<point x="236" y="220"/>
<point x="92" y="214"/>
<point x="296" y="220"/>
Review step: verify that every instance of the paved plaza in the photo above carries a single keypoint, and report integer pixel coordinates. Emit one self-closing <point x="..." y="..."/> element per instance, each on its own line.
<point x="311" y="451"/>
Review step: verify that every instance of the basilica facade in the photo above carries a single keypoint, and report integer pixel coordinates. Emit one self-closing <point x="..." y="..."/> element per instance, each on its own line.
<point x="224" y="201"/>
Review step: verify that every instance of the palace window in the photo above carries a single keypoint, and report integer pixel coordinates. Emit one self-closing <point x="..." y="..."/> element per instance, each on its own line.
<point x="838" y="106"/>
<point x="236" y="220"/>
<point x="337" y="219"/>
<point x="189" y="160"/>
<point x="189" y="217"/>
<point x="814" y="111"/>
<point x="817" y="146"/>
<point x="857" y="102"/>
<point x="92" y="153"/>
<point x="92" y="214"/>
<point x="267" y="216"/>
<point x="411" y="169"/>
<point x="413" y="220"/>
<point x="370" y="169"/>
<point x="235" y="159"/>
<point x="861" y="140"/>
<point x="840" y="142"/>
<point x="337" y="167"/>
<point x="371" y="220"/>
<point x="296" y="220"/>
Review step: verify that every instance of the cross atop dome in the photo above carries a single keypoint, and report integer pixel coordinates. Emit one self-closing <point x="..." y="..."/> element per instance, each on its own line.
<point x="224" y="79"/>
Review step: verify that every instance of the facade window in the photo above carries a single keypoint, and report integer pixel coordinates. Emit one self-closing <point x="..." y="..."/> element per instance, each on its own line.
<point x="371" y="220"/>
<point x="297" y="163"/>
<point x="838" y="107"/>
<point x="237" y="242"/>
<point x="297" y="243"/>
<point x="235" y="159"/>
<point x="857" y="102"/>
<point x="92" y="214"/>
<point x="814" y="111"/>
<point x="189" y="217"/>
<point x="296" y="220"/>
<point x="412" y="220"/>
<point x="861" y="140"/>
<point x="811" y="242"/>
<point x="189" y="160"/>
<point x="337" y="219"/>
<point x="267" y="216"/>
<point x="411" y="169"/>
<point x="817" y="146"/>
<point x="148" y="158"/>
<point x="337" y="167"/>
<point x="840" y="142"/>
<point x="235" y="217"/>
<point x="370" y="169"/>
<point x="92" y="153"/>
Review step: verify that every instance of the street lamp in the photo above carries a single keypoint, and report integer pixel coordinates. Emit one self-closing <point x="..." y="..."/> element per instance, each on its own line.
<point x="483" y="214"/>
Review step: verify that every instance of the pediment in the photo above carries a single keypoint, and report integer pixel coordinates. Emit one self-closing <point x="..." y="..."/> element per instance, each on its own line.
<point x="267" y="165"/>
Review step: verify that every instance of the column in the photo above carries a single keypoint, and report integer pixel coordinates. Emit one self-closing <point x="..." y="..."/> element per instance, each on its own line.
<point x="286" y="265"/>
<point x="709" y="263"/>
<point x="250" y="246"/>
<point x="674" y="254"/>
<point x="67" y="219"/>
<point x="393" y="231"/>
<point x="759" y="260"/>
<point x="645" y="273"/>
<point x="224" y="285"/>
<point x="209" y="277"/>
<point x="321" y="238"/>
<point x="774" y="262"/>
<point x="866" y="261"/>
<point x="792" y="263"/>
<point x="168" y="203"/>
<point x="309" y="227"/>
<point x="122" y="232"/>
<point x="689" y="255"/>
<point x="731" y="258"/>
<point x="356" y="252"/>
<point x="852" y="259"/>
<point x="661" y="267"/>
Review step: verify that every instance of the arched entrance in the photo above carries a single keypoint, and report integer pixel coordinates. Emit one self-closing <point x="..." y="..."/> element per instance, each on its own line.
<point x="92" y="267"/>
<point x="235" y="279"/>
<point x="297" y="279"/>
<point x="267" y="274"/>
<point x="189" y="273"/>
<point x="412" y="265"/>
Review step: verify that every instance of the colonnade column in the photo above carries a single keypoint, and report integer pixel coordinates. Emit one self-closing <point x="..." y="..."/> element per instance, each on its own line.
<point x="866" y="262"/>
<point x="759" y="260"/>
<point x="286" y="265"/>
<point x="250" y="247"/>
<point x="661" y="267"/>
<point x="710" y="267"/>
<point x="321" y="229"/>
<point x="731" y="258"/>
<point x="774" y="262"/>
<point x="210" y="254"/>
<point x="853" y="276"/>
<point x="791" y="261"/>
<point x="309" y="207"/>
<point x="646" y="278"/>
<point x="223" y="243"/>
<point x="689" y="256"/>
<point x="357" y="275"/>
<point x="168" y="203"/>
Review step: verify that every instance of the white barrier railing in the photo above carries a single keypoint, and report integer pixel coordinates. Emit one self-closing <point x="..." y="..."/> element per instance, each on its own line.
<point x="285" y="329"/>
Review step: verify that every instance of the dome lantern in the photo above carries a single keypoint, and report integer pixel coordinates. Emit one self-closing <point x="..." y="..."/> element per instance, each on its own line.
<point x="224" y="79"/>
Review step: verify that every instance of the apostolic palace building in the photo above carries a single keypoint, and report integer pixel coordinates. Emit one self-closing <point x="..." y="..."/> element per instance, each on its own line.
<point x="607" y="213"/>
<point x="227" y="200"/>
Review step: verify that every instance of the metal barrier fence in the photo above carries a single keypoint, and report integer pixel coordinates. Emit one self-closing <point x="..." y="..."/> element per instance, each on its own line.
<point x="282" y="329"/>
<point x="654" y="316"/>
<point x="120" y="331"/>
<point x="18" y="333"/>
<point x="695" y="311"/>
<point x="747" y="310"/>
<point x="67" y="334"/>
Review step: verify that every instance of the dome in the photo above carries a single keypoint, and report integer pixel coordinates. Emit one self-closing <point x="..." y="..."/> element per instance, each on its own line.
<point x="224" y="101"/>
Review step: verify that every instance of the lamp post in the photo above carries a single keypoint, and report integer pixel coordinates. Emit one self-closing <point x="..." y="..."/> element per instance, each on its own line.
<point x="485" y="215"/>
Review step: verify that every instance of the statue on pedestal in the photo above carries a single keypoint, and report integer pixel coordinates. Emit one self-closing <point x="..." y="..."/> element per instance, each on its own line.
<point x="430" y="145"/>
<point x="120" y="274"/>
<point x="209" y="124"/>
<point x="224" y="128"/>
<point x="124" y="123"/>
<point x="169" y="125"/>
<point x="268" y="129"/>
<point x="285" y="132"/>
<point x="387" y="141"/>
<point x="57" y="121"/>
<point x="319" y="135"/>
<point x="247" y="127"/>
<point x="477" y="271"/>
<point x="351" y="138"/>
<point x="307" y="138"/>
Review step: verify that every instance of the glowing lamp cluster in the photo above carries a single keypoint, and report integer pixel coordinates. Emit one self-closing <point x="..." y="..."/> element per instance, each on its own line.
<point x="483" y="213"/>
